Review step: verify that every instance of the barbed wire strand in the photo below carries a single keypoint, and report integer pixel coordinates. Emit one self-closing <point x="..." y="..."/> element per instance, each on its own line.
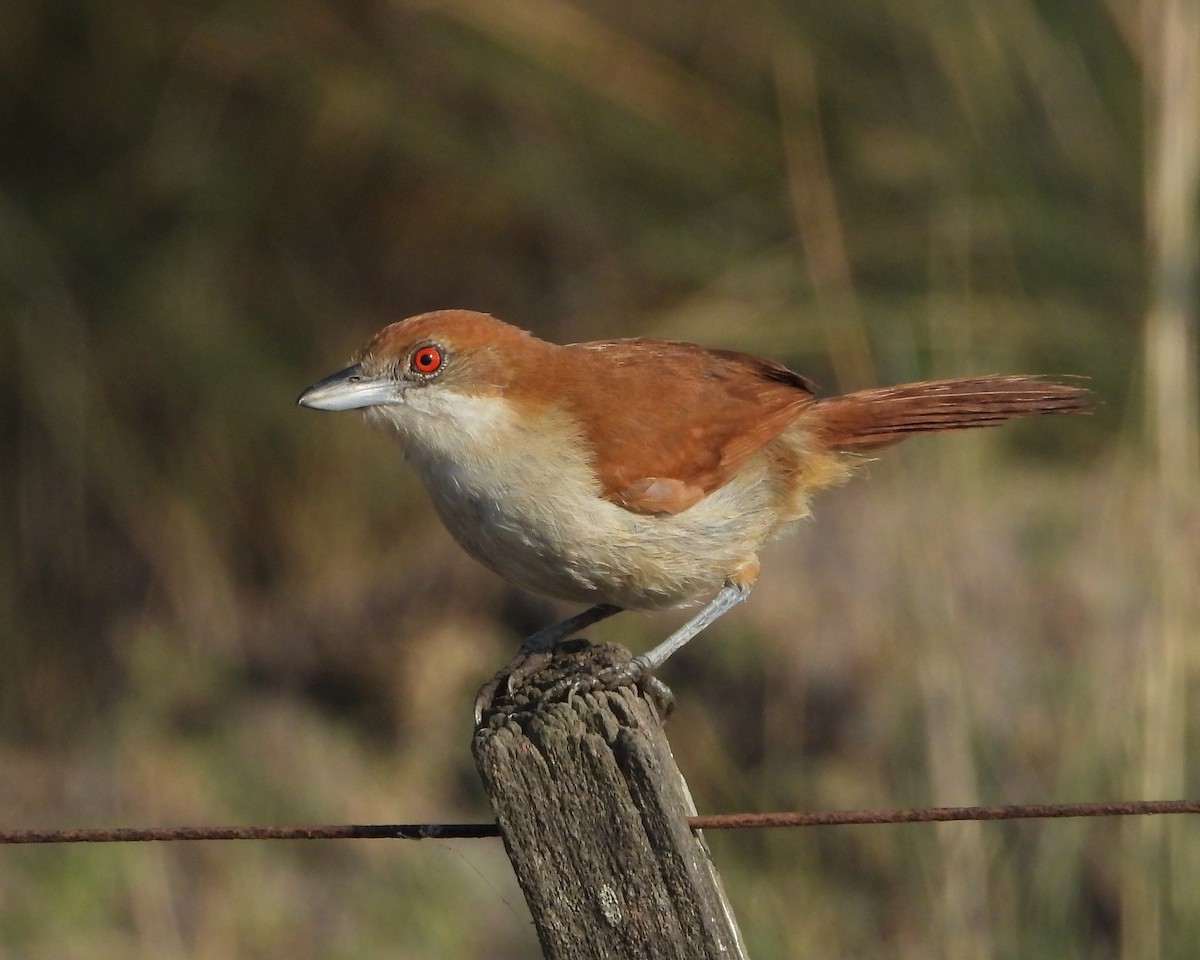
<point x="720" y="821"/>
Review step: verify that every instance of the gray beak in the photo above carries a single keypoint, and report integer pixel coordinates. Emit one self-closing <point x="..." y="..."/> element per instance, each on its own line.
<point x="349" y="389"/>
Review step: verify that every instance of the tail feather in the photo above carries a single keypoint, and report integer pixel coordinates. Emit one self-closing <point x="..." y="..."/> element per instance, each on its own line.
<point x="870" y="419"/>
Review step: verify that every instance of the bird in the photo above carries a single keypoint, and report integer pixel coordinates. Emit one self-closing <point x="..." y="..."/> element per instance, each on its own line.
<point x="638" y="473"/>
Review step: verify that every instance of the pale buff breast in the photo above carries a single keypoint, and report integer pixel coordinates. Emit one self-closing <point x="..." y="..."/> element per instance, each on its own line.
<point x="530" y="509"/>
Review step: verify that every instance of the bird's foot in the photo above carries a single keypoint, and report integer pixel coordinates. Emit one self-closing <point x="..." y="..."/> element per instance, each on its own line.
<point x="538" y="653"/>
<point x="526" y="664"/>
<point x="570" y="668"/>
<point x="635" y="672"/>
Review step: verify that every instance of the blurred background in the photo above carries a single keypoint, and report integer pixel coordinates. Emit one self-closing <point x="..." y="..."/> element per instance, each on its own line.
<point x="218" y="608"/>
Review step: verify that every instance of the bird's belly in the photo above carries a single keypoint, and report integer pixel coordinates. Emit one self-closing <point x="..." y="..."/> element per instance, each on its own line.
<point x="561" y="538"/>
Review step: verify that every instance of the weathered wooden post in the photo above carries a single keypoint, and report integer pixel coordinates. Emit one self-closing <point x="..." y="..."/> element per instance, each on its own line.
<point x="593" y="811"/>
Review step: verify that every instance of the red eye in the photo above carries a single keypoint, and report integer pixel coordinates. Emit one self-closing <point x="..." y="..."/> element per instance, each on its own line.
<point x="426" y="360"/>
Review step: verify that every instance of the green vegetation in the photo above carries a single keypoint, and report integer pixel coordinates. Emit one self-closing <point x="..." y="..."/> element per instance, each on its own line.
<point x="217" y="608"/>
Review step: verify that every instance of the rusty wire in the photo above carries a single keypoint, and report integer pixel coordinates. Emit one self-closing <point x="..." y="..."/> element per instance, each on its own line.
<point x="721" y="821"/>
<point x="1023" y="811"/>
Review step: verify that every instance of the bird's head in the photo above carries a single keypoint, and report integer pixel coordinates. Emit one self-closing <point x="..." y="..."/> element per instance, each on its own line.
<point x="449" y="381"/>
<point x="447" y="354"/>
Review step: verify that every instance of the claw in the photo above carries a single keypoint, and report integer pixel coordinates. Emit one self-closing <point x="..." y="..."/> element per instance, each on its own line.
<point x="536" y="652"/>
<point x="630" y="673"/>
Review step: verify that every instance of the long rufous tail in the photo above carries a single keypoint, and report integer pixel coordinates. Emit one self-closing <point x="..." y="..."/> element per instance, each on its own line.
<point x="870" y="419"/>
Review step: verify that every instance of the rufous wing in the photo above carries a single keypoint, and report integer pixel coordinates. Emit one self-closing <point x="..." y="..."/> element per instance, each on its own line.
<point x="670" y="422"/>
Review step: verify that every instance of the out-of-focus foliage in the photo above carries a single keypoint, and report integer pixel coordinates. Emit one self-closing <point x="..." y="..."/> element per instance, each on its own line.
<point x="215" y="607"/>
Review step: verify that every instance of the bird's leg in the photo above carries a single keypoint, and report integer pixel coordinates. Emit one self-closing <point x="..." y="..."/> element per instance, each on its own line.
<point x="535" y="650"/>
<point x="736" y="589"/>
<point x="545" y="639"/>
<point x="728" y="597"/>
